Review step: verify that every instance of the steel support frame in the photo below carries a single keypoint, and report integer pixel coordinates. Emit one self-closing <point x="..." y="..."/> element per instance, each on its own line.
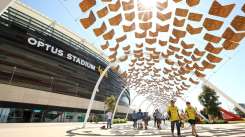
<point x="96" y="87"/>
<point x="130" y="106"/>
<point x="118" y="99"/>
<point x="220" y="92"/>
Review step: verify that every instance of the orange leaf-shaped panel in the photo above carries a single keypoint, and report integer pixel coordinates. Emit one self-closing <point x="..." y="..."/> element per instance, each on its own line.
<point x="238" y="23"/>
<point x="212" y="24"/>
<point x="212" y="38"/>
<point x="145" y="16"/>
<point x="198" y="52"/>
<point x="229" y="45"/>
<point x="105" y="46"/>
<point x="164" y="17"/>
<point x="128" y="5"/>
<point x="129" y="16"/>
<point x="193" y="30"/>
<point x="102" y="12"/>
<point x="122" y="38"/>
<point x="162" y="5"/>
<point x="192" y="3"/>
<point x="140" y="35"/>
<point x="179" y="22"/>
<point x="129" y="28"/>
<point x="145" y="25"/>
<point x="109" y="35"/>
<point x="214" y="59"/>
<point x="150" y="40"/>
<point x="186" y="46"/>
<point x="87" y="4"/>
<point x="178" y="33"/>
<point x="181" y="12"/>
<point x="116" y="20"/>
<point x="162" y="43"/>
<point x="194" y="16"/>
<point x="100" y="30"/>
<point x="115" y="7"/>
<point x="164" y="28"/>
<point x="229" y="34"/>
<point x="219" y="10"/>
<point x="207" y="65"/>
<point x="199" y="74"/>
<point x="87" y="22"/>
<point x="215" y="50"/>
<point x="173" y="40"/>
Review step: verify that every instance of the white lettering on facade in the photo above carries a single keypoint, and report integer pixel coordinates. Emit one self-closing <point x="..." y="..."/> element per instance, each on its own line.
<point x="59" y="52"/>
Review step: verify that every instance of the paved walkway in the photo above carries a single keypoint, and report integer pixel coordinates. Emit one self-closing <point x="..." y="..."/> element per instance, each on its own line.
<point x="75" y="130"/>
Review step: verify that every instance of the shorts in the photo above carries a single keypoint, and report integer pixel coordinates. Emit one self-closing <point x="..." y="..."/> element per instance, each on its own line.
<point x="192" y="121"/>
<point x="140" y="121"/>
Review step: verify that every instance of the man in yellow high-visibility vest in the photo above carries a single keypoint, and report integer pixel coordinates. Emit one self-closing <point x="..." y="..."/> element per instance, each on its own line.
<point x="191" y="115"/>
<point x="174" y="117"/>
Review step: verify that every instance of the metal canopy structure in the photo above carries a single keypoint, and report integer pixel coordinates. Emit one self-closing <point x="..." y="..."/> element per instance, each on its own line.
<point x="173" y="44"/>
<point x="163" y="47"/>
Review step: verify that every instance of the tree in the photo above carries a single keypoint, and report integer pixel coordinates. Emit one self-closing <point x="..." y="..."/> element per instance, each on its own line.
<point x="209" y="100"/>
<point x="110" y="101"/>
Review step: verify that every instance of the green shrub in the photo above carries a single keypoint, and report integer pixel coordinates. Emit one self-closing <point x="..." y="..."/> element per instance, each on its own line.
<point x="118" y="121"/>
<point x="215" y="122"/>
<point x="220" y="122"/>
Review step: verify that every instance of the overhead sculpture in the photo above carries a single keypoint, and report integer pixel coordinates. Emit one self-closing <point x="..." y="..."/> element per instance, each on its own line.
<point x="168" y="36"/>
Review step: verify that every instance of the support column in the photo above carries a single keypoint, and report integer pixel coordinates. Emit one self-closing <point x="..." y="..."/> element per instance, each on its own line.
<point x="118" y="99"/>
<point x="96" y="87"/>
<point x="219" y="91"/>
<point x="131" y="105"/>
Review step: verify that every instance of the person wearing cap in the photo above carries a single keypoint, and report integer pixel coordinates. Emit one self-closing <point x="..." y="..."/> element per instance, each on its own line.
<point x="174" y="117"/>
<point x="191" y="115"/>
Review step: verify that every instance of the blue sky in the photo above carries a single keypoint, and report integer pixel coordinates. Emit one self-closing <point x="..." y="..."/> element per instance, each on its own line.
<point x="229" y="75"/>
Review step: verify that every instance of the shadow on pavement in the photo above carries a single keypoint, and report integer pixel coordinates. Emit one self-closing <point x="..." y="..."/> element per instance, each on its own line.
<point x="127" y="130"/>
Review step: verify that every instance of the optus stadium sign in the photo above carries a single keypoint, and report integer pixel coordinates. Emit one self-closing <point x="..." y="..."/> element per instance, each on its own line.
<point x="59" y="52"/>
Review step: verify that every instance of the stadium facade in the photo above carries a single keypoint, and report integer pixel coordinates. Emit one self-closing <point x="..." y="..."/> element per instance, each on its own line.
<point x="47" y="73"/>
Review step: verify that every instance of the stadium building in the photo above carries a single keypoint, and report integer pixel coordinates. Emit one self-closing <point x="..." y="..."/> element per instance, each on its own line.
<point x="47" y="73"/>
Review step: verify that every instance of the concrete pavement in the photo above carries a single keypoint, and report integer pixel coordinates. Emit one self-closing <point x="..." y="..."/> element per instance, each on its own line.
<point x="75" y="130"/>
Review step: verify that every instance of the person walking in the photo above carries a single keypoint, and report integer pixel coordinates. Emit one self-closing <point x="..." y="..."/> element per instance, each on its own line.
<point x="134" y="117"/>
<point x="109" y="117"/>
<point x="155" y="117"/>
<point x="163" y="118"/>
<point x="140" y="119"/>
<point x="158" y="119"/>
<point x="146" y="119"/>
<point x="191" y="116"/>
<point x="174" y="117"/>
